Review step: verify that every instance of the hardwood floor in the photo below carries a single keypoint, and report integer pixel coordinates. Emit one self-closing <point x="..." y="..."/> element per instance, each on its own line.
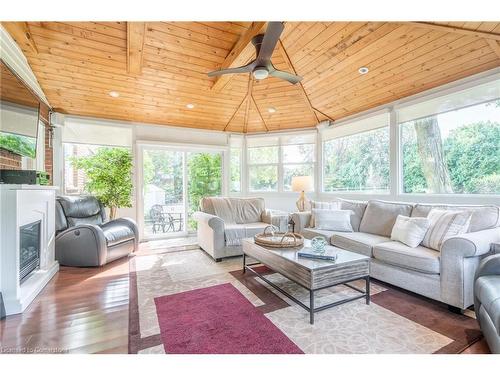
<point x="81" y="310"/>
<point x="86" y="310"/>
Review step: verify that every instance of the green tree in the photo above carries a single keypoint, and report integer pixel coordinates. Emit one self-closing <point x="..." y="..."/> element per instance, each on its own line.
<point x="204" y="179"/>
<point x="109" y="176"/>
<point x="473" y="153"/>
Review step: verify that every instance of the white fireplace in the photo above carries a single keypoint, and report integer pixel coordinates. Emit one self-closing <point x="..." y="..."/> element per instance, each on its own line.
<point x="27" y="209"/>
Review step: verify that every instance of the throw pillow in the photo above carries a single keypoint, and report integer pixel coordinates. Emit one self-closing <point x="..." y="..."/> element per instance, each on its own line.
<point x="410" y="230"/>
<point x="322" y="205"/>
<point x="445" y="224"/>
<point x="338" y="220"/>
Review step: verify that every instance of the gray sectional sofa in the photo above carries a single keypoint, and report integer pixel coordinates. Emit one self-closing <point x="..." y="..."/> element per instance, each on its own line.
<point x="446" y="275"/>
<point x="223" y="222"/>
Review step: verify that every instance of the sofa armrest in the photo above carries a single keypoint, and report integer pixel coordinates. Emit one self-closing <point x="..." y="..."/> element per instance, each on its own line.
<point x="471" y="244"/>
<point x="214" y="222"/>
<point x="460" y="258"/>
<point x="277" y="218"/>
<point x="301" y="220"/>
<point x="133" y="227"/>
<point x="81" y="246"/>
<point x="210" y="232"/>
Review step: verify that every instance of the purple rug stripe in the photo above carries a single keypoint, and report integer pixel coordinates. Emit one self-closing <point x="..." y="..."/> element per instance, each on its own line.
<point x="218" y="320"/>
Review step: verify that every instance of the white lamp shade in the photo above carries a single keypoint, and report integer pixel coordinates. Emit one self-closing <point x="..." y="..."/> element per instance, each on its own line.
<point x="302" y="183"/>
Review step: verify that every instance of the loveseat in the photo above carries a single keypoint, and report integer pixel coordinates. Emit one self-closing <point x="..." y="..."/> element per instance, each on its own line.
<point x="446" y="275"/>
<point x="223" y="222"/>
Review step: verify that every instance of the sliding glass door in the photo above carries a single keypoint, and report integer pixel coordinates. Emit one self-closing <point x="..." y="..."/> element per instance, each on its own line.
<point x="173" y="182"/>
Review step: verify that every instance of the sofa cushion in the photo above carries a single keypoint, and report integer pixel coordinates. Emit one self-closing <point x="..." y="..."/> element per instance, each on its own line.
<point x="324" y="206"/>
<point x="483" y="217"/>
<point x="487" y="291"/>
<point x="116" y="233"/>
<point x="81" y="210"/>
<point x="445" y="224"/>
<point x="418" y="258"/>
<point x="380" y="216"/>
<point x="310" y="233"/>
<point x="358" y="242"/>
<point x="242" y="210"/>
<point x="338" y="220"/>
<point x="358" y="207"/>
<point x="410" y="230"/>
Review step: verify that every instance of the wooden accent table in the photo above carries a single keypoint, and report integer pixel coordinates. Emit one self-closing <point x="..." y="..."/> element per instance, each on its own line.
<point x="311" y="274"/>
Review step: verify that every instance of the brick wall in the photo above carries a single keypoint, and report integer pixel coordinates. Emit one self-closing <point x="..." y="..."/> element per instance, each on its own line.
<point x="9" y="160"/>
<point x="49" y="153"/>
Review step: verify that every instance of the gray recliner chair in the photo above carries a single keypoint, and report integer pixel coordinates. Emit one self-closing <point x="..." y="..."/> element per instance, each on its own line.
<point x="487" y="300"/>
<point x="84" y="237"/>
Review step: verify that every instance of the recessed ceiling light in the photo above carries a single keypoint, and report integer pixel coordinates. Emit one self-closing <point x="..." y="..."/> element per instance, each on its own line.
<point x="114" y="94"/>
<point x="271" y="110"/>
<point x="363" y="70"/>
<point x="190" y="105"/>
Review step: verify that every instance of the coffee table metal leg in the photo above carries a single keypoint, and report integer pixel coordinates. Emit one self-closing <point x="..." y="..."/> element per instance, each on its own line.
<point x="367" y="290"/>
<point x="244" y="263"/>
<point x="311" y="306"/>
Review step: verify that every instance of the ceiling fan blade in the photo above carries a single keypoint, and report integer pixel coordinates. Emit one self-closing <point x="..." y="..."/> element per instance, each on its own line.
<point x="271" y="37"/>
<point x="292" y="78"/>
<point x="241" y="69"/>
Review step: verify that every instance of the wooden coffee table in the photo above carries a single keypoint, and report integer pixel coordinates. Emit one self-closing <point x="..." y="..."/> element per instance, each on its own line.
<point x="311" y="274"/>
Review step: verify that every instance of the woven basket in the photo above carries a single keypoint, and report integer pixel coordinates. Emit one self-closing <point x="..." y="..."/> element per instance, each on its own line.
<point x="278" y="239"/>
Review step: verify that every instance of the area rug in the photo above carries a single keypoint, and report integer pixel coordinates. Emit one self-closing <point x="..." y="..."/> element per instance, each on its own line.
<point x="396" y="321"/>
<point x="218" y="320"/>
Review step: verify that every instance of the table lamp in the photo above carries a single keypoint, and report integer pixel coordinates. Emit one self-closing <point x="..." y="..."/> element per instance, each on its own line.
<point x="302" y="184"/>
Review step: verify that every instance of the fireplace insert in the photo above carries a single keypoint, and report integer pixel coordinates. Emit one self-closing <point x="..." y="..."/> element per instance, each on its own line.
<point x="29" y="254"/>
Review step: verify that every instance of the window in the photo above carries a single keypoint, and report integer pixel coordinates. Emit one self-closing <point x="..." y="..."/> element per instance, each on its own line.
<point x="235" y="154"/>
<point x="273" y="161"/>
<point x="84" y="137"/>
<point x="263" y="162"/>
<point x="298" y="158"/>
<point x="455" y="152"/>
<point x="356" y="156"/>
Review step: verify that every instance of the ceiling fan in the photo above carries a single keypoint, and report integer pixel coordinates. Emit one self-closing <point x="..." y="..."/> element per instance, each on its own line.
<point x="262" y="67"/>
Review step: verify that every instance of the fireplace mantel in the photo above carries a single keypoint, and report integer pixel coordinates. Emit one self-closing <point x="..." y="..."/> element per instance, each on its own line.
<point x="21" y="205"/>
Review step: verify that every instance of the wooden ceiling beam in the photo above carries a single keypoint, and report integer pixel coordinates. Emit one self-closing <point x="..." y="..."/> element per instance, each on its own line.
<point x="260" y="114"/>
<point x="235" y="112"/>
<point x="457" y="30"/>
<point x="302" y="90"/>
<point x="495" y="46"/>
<point x="135" y="46"/>
<point x="233" y="56"/>
<point x="21" y="33"/>
<point x="247" y="109"/>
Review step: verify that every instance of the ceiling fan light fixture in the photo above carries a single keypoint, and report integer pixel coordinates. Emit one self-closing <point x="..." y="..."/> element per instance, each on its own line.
<point x="260" y="73"/>
<point x="114" y="94"/>
<point x="363" y="70"/>
<point x="190" y="105"/>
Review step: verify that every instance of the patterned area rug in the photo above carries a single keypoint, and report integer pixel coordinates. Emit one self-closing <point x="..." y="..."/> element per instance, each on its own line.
<point x="395" y="322"/>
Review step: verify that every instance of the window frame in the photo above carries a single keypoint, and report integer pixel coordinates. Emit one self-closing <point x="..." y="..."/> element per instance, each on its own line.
<point x="400" y="168"/>
<point x="280" y="164"/>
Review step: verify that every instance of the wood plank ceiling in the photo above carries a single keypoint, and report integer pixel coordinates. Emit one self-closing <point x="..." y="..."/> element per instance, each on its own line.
<point x="159" y="67"/>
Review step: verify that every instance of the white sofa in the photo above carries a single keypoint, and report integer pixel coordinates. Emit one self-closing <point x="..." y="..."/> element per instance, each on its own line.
<point x="446" y="275"/>
<point x="220" y="233"/>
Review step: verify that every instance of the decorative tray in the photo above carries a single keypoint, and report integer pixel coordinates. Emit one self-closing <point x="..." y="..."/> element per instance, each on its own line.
<point x="270" y="238"/>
